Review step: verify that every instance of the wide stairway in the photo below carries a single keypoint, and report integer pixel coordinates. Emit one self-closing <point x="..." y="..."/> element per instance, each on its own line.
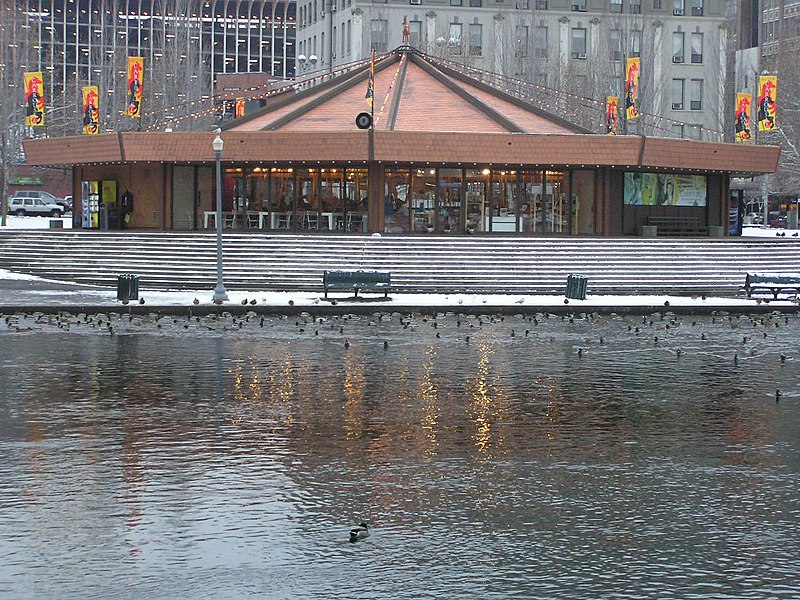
<point x="175" y="261"/>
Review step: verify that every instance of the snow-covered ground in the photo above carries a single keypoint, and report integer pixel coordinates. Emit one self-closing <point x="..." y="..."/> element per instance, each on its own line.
<point x="14" y="222"/>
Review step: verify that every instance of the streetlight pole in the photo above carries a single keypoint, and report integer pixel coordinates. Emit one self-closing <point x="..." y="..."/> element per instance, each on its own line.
<point x="220" y="295"/>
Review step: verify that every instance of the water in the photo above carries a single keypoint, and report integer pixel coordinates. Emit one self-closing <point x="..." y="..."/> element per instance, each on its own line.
<point x="184" y="458"/>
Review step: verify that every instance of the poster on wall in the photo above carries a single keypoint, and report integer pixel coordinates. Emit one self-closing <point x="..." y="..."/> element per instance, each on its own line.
<point x="661" y="189"/>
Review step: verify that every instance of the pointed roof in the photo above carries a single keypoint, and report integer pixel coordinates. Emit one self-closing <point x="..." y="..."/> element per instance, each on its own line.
<point x="413" y="92"/>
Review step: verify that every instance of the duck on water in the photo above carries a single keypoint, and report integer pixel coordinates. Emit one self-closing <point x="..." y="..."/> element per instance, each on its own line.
<point x="359" y="533"/>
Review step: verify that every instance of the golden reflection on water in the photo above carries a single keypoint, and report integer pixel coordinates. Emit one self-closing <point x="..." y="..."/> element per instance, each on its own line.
<point x="429" y="405"/>
<point x="353" y="389"/>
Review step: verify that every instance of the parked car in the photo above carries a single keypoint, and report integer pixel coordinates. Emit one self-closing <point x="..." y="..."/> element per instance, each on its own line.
<point x="67" y="203"/>
<point x="34" y="203"/>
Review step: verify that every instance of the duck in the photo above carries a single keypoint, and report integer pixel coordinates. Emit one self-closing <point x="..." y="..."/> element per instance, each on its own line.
<point x="359" y="533"/>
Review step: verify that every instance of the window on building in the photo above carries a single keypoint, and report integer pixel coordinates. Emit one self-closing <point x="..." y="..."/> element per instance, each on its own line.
<point x="616" y="6"/>
<point x="541" y="79"/>
<point x="540" y="4"/>
<point x="456" y="2"/>
<point x="697" y="8"/>
<point x="615" y="43"/>
<point x="635" y="7"/>
<point x="540" y="42"/>
<point x="578" y="45"/>
<point x="657" y="4"/>
<point x="521" y="41"/>
<point x="635" y="43"/>
<point x="677" y="94"/>
<point x="677" y="47"/>
<point x="579" y="5"/>
<point x="678" y="7"/>
<point x="522" y="4"/>
<point x="476" y="3"/>
<point x="378" y="35"/>
<point x="696" y="94"/>
<point x="415" y="33"/>
<point x="475" y="39"/>
<point x="697" y="47"/>
<point x="677" y="130"/>
<point x="454" y="39"/>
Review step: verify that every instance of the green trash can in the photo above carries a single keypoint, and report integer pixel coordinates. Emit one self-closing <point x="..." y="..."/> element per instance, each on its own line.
<point x="127" y="287"/>
<point x="576" y="287"/>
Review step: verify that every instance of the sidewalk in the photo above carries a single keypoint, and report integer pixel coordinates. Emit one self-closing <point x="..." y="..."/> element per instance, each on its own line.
<point x="22" y="293"/>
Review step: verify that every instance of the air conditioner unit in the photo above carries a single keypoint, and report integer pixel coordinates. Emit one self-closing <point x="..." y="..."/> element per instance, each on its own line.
<point x="415" y="2"/>
<point x="678" y="12"/>
<point x="322" y="14"/>
<point x="677" y="106"/>
<point x="677" y="59"/>
<point x="581" y="55"/>
<point x="578" y="7"/>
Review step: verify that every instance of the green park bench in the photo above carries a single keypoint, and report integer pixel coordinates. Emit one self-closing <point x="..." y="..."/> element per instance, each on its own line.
<point x="357" y="280"/>
<point x="775" y="283"/>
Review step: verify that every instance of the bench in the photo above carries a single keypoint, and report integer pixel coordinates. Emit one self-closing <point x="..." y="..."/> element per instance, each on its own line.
<point x="356" y="280"/>
<point x="677" y="225"/>
<point x="775" y="283"/>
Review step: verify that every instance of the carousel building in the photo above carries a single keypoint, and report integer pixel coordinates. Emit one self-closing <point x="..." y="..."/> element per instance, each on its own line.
<point x="446" y="151"/>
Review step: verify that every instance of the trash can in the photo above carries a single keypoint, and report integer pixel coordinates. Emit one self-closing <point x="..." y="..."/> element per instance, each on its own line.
<point x="127" y="287"/>
<point x="576" y="287"/>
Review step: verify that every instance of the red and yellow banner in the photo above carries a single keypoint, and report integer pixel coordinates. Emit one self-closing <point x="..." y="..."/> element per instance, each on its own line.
<point x="632" y="66"/>
<point x="239" y="107"/>
<point x="744" y="112"/>
<point x="91" y="110"/>
<point x="34" y="98"/>
<point x="612" y="105"/>
<point x="767" y="102"/>
<point x="135" y="86"/>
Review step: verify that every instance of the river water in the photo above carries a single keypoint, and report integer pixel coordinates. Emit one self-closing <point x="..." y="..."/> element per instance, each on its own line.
<point x="531" y="457"/>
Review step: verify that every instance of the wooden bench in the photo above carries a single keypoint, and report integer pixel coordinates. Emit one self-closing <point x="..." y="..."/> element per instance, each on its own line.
<point x="677" y="225"/>
<point x="775" y="283"/>
<point x="357" y="280"/>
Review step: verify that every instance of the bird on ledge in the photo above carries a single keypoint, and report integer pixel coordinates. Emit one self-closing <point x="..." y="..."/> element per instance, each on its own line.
<point x="359" y="533"/>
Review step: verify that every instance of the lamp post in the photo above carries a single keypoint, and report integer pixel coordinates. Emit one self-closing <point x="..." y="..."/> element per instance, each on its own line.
<point x="220" y="295"/>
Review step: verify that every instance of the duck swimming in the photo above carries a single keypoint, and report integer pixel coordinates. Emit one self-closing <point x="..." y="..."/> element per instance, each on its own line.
<point x="359" y="533"/>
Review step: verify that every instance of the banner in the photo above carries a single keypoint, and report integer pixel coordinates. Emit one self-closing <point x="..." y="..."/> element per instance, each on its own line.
<point x="612" y="103"/>
<point x="238" y="108"/>
<point x="135" y="83"/>
<point x="767" y="98"/>
<point x="744" y="112"/>
<point x="632" y="66"/>
<point x="34" y="98"/>
<point x="663" y="189"/>
<point x="91" y="110"/>
<point x="370" y="95"/>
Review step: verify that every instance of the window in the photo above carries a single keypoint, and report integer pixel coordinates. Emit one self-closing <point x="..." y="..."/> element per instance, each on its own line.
<point x="678" y="7"/>
<point x="475" y="39"/>
<point x="521" y="47"/>
<point x="523" y="4"/>
<point x="677" y="94"/>
<point x="540" y="42"/>
<point x="476" y="3"/>
<point x="696" y="94"/>
<point x="697" y="8"/>
<point x="616" y="6"/>
<point x="677" y="47"/>
<point x="378" y="29"/>
<point x="415" y="33"/>
<point x="635" y="43"/>
<point x="540" y="4"/>
<point x="578" y="43"/>
<point x="541" y="79"/>
<point x="579" y="5"/>
<point x="657" y="4"/>
<point x="616" y="44"/>
<point x="635" y="7"/>
<point x="454" y="39"/>
<point x="456" y="2"/>
<point x="677" y="130"/>
<point x="697" y="47"/>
